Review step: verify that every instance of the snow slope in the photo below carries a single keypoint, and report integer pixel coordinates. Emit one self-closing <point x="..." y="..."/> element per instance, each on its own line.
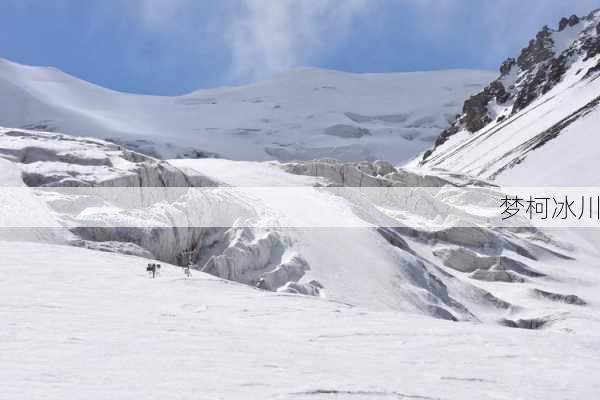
<point x="24" y="216"/>
<point x="342" y="313"/>
<point x="303" y="114"/>
<point x="566" y="160"/>
<point x="358" y="265"/>
<point x="537" y="125"/>
<point x="83" y="324"/>
<point x="280" y="239"/>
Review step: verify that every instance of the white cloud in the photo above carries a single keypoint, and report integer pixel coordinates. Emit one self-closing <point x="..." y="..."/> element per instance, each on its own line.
<point x="269" y="36"/>
<point x="263" y="37"/>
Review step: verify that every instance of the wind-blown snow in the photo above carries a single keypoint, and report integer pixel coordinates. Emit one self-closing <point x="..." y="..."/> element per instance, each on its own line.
<point x="303" y="114"/>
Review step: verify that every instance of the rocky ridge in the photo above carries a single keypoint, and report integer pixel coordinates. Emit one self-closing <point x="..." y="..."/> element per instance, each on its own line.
<point x="538" y="69"/>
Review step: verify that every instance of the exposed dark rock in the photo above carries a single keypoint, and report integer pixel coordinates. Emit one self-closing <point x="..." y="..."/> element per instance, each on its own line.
<point x="429" y="152"/>
<point x="473" y="237"/>
<point x="530" y="90"/>
<point x="441" y="313"/>
<point x="508" y="264"/>
<point x="372" y="174"/>
<point x="558" y="67"/>
<point x="394" y="238"/>
<point x="593" y="70"/>
<point x="194" y="153"/>
<point x="534" y="323"/>
<point x="591" y="47"/>
<point x="507" y="66"/>
<point x="347" y="131"/>
<point x="464" y="260"/>
<point x="497" y="90"/>
<point x="567" y="22"/>
<point x="476" y="112"/>
<point x="383" y="168"/>
<point x="114" y="247"/>
<point x="538" y="50"/>
<point x="496" y="276"/>
<point x="573" y="20"/>
<point x="561" y="298"/>
<point x="444" y="136"/>
<point x="564" y="22"/>
<point x="433" y="284"/>
<point x="313" y="288"/>
<point x="388" y="118"/>
<point x="475" y="108"/>
<point x="540" y="70"/>
<point x="460" y="259"/>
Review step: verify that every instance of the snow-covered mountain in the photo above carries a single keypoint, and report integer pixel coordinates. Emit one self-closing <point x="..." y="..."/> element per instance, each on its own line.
<point x="414" y="295"/>
<point x="348" y="309"/>
<point x="453" y="268"/>
<point x="303" y="114"/>
<point x="537" y="124"/>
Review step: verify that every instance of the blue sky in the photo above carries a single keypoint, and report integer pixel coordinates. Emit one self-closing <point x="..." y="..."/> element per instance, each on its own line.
<point x="171" y="47"/>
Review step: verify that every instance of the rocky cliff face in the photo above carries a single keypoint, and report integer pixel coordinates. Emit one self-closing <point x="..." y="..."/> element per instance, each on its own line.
<point x="538" y="69"/>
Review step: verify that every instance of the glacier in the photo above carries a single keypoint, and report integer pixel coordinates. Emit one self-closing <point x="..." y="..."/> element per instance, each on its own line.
<point x="415" y="295"/>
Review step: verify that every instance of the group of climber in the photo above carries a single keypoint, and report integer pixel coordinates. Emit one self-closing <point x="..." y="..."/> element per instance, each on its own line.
<point x="154" y="270"/>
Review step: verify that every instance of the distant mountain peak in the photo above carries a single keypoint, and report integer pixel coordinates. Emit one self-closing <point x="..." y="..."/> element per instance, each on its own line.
<point x="303" y="114"/>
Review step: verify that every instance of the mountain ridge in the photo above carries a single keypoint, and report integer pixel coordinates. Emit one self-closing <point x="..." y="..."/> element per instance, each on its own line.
<point x="543" y="89"/>
<point x="303" y="114"/>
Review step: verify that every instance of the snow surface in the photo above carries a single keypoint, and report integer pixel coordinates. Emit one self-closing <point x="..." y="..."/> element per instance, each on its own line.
<point x="83" y="324"/>
<point x="303" y="114"/>
<point x="336" y="256"/>
<point x="568" y="160"/>
<point x="22" y="208"/>
<point x="356" y="266"/>
<point x="291" y="221"/>
<point x="80" y="323"/>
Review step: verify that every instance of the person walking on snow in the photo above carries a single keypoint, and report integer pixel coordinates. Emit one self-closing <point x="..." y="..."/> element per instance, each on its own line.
<point x="154" y="269"/>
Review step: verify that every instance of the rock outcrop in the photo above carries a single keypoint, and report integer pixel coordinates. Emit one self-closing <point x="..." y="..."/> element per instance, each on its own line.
<point x="464" y="260"/>
<point x="538" y="69"/>
<point x="561" y="298"/>
<point x="375" y="174"/>
<point x="347" y="131"/>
